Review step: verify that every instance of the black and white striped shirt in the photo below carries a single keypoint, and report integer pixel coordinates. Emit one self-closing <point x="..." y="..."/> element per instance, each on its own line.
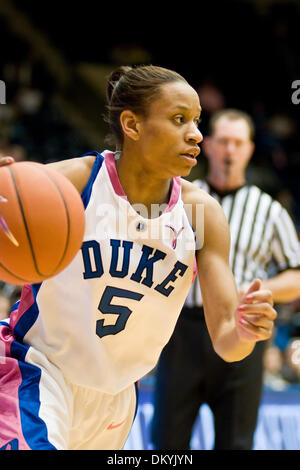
<point x="263" y="236"/>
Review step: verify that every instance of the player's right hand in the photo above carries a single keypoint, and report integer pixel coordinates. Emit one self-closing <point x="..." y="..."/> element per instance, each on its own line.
<point x="6" y="160"/>
<point x="255" y="315"/>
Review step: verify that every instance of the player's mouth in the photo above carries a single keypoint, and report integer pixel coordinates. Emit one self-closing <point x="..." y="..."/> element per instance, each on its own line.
<point x="191" y="156"/>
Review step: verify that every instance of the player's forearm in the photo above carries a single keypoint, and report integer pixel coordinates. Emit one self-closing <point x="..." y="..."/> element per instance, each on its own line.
<point x="285" y="286"/>
<point x="235" y="333"/>
<point x="228" y="344"/>
<point x="224" y="329"/>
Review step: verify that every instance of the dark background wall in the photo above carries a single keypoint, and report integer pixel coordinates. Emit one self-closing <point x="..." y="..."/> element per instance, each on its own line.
<point x="55" y="57"/>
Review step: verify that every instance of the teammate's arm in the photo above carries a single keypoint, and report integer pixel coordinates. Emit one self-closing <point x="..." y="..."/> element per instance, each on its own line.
<point x="234" y="327"/>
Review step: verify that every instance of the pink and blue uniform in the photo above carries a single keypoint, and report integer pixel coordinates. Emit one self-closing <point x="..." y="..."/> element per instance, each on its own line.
<point x="76" y="344"/>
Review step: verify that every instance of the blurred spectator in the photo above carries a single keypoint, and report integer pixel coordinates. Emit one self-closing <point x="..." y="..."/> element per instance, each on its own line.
<point x="29" y="100"/>
<point x="17" y="151"/>
<point x="291" y="367"/>
<point x="11" y="291"/>
<point x="273" y="364"/>
<point x="211" y="97"/>
<point x="129" y="53"/>
<point x="281" y="126"/>
<point x="212" y="100"/>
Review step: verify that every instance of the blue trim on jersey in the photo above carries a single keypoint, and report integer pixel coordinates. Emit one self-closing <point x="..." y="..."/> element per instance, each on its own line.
<point x="15" y="306"/>
<point x="33" y="427"/>
<point x="14" y="445"/>
<point x="137" y="398"/>
<point x="29" y="317"/>
<point x="87" y="191"/>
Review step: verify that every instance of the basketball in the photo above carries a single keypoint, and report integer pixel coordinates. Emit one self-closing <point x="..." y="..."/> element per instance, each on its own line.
<point x="42" y="222"/>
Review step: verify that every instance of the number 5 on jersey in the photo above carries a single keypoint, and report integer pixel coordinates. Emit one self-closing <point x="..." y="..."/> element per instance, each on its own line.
<point x="123" y="312"/>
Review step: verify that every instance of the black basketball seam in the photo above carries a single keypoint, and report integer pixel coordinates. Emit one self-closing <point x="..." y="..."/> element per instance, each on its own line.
<point x="14" y="275"/>
<point x="27" y="230"/>
<point x="68" y="219"/>
<point x="24" y="221"/>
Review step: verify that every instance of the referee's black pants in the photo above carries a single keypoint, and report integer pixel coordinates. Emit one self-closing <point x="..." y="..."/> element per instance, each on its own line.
<point x="190" y="373"/>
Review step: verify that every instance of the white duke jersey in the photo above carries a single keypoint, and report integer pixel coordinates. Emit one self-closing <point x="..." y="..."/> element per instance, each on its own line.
<point x="104" y="320"/>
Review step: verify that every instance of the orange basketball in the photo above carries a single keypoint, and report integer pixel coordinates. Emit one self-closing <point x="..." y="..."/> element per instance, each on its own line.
<point x="41" y="222"/>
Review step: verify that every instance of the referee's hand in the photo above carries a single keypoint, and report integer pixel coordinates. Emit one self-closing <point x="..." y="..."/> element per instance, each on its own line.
<point x="255" y="314"/>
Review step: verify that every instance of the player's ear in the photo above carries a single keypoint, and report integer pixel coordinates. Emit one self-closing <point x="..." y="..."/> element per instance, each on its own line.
<point x="130" y="124"/>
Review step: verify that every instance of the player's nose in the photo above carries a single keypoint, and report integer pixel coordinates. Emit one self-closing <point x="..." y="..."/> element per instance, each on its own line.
<point x="194" y="134"/>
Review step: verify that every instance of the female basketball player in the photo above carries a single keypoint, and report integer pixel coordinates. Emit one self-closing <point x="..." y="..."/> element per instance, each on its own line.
<point x="76" y="344"/>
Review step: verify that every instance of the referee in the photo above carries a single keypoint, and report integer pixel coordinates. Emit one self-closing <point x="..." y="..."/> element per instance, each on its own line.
<point x="263" y="235"/>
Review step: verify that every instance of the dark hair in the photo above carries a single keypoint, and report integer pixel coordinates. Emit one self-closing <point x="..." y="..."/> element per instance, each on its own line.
<point x="133" y="88"/>
<point x="233" y="115"/>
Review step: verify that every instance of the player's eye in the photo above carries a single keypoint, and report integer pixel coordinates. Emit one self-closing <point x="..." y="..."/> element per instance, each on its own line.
<point x="179" y="118"/>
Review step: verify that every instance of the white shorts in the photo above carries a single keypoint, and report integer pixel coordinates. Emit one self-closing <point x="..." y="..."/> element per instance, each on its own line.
<point x="40" y="409"/>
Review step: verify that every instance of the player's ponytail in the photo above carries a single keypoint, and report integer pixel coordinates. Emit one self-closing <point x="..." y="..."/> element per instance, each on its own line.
<point x="133" y="88"/>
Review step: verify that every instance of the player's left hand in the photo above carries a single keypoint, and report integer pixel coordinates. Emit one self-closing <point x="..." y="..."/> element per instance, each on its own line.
<point x="6" y="160"/>
<point x="255" y="314"/>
